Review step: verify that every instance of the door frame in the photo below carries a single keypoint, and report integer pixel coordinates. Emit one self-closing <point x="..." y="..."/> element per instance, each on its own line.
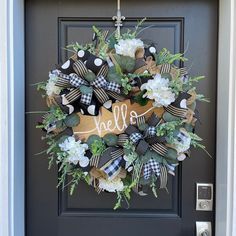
<point x="12" y="118"/>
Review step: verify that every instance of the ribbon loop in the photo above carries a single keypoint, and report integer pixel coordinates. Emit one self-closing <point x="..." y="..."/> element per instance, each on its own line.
<point x="135" y="137"/>
<point x="152" y="166"/>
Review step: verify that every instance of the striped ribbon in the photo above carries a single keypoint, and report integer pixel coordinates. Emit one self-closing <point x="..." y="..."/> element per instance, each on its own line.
<point x="165" y="68"/>
<point x="176" y="111"/>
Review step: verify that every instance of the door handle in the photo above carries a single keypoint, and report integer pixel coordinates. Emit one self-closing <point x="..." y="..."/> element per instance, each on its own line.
<point x="205" y="233"/>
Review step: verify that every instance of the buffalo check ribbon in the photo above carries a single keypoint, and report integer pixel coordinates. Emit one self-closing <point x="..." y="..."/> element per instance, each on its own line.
<point x="75" y="81"/>
<point x="144" y="139"/>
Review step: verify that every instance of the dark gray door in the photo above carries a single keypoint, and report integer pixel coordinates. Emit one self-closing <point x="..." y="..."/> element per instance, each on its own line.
<point x="176" y="25"/>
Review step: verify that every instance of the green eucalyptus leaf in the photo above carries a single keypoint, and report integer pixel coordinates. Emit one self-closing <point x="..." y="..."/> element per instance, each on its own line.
<point x="171" y="154"/>
<point x="126" y="63"/>
<point x="72" y="120"/>
<point x="113" y="76"/>
<point x="90" y="76"/>
<point x="168" y="117"/>
<point x="91" y="139"/>
<point x="85" y="89"/>
<point x="110" y="139"/>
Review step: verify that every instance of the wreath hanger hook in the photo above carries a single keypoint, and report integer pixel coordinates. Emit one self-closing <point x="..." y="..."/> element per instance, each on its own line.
<point x="118" y="18"/>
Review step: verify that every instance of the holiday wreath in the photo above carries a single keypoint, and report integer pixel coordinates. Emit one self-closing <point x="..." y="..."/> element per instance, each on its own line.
<point x="121" y="115"/>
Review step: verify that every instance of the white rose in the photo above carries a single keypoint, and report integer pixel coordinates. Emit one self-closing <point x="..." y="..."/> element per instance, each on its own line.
<point x="51" y="87"/>
<point x="157" y="89"/>
<point x="68" y="144"/>
<point x="76" y="151"/>
<point x="111" y="185"/>
<point x="128" y="47"/>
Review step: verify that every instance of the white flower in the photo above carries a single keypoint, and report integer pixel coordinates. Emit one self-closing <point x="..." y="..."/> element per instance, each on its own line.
<point x="111" y="185"/>
<point x="157" y="89"/>
<point x="128" y="47"/>
<point x="76" y="151"/>
<point x="183" y="141"/>
<point x="51" y="87"/>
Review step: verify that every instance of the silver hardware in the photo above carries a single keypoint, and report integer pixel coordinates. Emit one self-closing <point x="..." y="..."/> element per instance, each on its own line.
<point x="204" y="197"/>
<point x="118" y="18"/>
<point x="203" y="228"/>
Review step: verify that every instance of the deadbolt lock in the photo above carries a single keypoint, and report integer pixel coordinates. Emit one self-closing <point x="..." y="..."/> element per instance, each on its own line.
<point x="204" y="197"/>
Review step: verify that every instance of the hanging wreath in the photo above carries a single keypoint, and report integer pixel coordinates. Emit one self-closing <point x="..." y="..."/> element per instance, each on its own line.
<point x="121" y="115"/>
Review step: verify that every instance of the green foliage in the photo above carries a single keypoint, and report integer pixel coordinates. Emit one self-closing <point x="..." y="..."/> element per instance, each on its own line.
<point x="74" y="47"/>
<point x="129" y="150"/>
<point x="196" y="140"/>
<point x="189" y="84"/>
<point x="41" y="86"/>
<point x="98" y="147"/>
<point x="54" y="115"/>
<point x="125" y="83"/>
<point x="131" y="34"/>
<point x="112" y="40"/>
<point x="168" y="128"/>
<point x="140" y="99"/>
<point x="153" y="186"/>
<point x="77" y="175"/>
<point x="102" y="45"/>
<point x="125" y="194"/>
<point x="176" y="86"/>
<point x="164" y="56"/>
<point x="202" y="98"/>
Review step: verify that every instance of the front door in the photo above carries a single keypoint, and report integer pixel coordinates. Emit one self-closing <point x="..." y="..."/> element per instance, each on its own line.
<point x="189" y="26"/>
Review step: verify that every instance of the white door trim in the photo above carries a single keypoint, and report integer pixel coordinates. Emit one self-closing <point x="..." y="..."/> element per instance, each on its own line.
<point x="12" y="116"/>
<point x="226" y="123"/>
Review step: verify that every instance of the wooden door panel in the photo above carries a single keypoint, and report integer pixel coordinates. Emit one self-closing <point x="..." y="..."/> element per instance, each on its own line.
<point x="177" y="25"/>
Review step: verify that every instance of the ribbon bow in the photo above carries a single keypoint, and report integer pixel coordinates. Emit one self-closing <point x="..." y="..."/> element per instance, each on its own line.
<point x="81" y="87"/>
<point x="143" y="135"/>
<point x="110" y="161"/>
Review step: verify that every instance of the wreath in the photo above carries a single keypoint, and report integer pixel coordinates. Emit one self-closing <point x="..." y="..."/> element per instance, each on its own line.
<point x="111" y="71"/>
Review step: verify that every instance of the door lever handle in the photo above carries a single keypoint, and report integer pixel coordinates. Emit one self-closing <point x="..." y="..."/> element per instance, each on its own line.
<point x="205" y="233"/>
<point x="203" y="228"/>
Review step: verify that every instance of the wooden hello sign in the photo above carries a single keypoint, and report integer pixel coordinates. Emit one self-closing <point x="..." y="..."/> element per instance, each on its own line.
<point x="123" y="114"/>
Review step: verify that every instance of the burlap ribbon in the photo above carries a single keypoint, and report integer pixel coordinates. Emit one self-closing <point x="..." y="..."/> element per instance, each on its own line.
<point x="110" y="161"/>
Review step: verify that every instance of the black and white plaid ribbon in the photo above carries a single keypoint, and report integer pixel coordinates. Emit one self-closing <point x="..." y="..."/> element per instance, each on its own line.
<point x="76" y="81"/>
<point x="112" y="169"/>
<point x="101" y="82"/>
<point x="150" y="131"/>
<point x="152" y="166"/>
<point x="86" y="98"/>
<point x="135" y="137"/>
